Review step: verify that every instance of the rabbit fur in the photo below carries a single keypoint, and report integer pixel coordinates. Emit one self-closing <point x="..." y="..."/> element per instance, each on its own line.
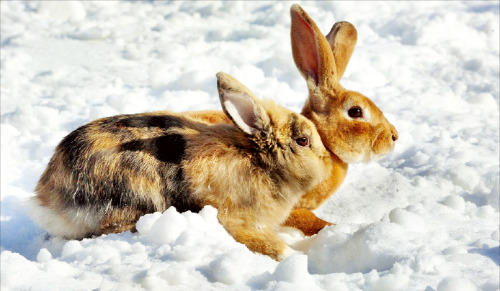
<point x="106" y="174"/>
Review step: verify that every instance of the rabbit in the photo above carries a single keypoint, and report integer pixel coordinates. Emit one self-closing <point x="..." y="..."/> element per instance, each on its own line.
<point x="106" y="174"/>
<point x="351" y="126"/>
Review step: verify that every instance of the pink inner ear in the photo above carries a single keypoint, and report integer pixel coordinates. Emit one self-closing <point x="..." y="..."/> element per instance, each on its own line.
<point x="242" y="111"/>
<point x="304" y="42"/>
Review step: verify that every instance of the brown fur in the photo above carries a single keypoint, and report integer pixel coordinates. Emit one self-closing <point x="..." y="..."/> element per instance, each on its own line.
<point x="316" y="196"/>
<point x="106" y="174"/>
<point x="342" y="39"/>
<point x="306" y="221"/>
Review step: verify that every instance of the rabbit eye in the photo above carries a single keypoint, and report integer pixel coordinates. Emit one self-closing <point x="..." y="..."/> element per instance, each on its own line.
<point x="302" y="141"/>
<point x="355" y="112"/>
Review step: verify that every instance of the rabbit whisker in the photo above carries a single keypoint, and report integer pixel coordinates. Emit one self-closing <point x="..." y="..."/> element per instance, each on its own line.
<point x="283" y="196"/>
<point x="74" y="196"/>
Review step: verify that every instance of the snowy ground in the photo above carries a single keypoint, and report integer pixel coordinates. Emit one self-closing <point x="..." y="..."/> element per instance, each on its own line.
<point x="426" y="217"/>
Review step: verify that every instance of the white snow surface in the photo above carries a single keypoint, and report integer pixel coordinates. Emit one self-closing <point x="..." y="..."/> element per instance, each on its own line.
<point x="425" y="217"/>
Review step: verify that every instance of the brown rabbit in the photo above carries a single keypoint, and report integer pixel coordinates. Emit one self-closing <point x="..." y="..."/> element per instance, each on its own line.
<point x="351" y="126"/>
<point x="109" y="172"/>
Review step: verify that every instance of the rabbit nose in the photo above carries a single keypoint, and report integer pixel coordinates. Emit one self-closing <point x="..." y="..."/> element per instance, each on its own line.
<point x="394" y="135"/>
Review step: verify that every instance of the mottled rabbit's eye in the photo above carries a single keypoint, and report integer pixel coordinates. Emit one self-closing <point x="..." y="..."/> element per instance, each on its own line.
<point x="302" y="141"/>
<point x="355" y="112"/>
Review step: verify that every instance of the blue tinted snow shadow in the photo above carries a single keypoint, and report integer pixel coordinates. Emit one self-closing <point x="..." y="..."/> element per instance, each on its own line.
<point x="485" y="7"/>
<point x="492" y="253"/>
<point x="17" y="230"/>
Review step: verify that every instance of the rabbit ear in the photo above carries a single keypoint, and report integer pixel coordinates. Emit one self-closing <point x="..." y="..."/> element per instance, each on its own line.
<point x="311" y="51"/>
<point x="240" y="105"/>
<point x="342" y="39"/>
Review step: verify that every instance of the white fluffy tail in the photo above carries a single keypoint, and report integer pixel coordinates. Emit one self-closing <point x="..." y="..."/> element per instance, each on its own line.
<point x="68" y="223"/>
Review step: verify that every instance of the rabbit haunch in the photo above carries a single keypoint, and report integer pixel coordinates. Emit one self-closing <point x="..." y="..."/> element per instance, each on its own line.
<point x="106" y="174"/>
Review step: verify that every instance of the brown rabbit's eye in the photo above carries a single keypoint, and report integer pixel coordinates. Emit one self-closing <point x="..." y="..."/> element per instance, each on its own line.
<point x="302" y="141"/>
<point x="355" y="112"/>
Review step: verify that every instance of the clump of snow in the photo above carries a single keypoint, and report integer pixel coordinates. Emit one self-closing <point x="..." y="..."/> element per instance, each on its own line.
<point x="44" y="256"/>
<point x="455" y="202"/>
<point x="68" y="10"/>
<point x="292" y="273"/>
<point x="376" y="246"/>
<point x="426" y="217"/>
<point x="168" y="227"/>
<point x="452" y="284"/>
<point x="407" y="219"/>
<point x="465" y="177"/>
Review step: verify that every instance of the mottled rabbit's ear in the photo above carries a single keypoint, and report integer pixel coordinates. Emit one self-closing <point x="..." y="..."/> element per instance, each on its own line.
<point x="342" y="39"/>
<point x="241" y="106"/>
<point x="311" y="51"/>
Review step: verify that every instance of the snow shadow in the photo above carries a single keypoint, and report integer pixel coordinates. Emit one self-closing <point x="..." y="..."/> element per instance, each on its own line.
<point x="492" y="253"/>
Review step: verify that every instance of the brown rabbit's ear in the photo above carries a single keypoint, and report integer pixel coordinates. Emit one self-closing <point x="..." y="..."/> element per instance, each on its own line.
<point x="342" y="39"/>
<point x="311" y="51"/>
<point x="241" y="106"/>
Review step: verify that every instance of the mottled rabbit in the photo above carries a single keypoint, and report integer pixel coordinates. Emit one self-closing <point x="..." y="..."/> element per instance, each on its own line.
<point x="109" y="172"/>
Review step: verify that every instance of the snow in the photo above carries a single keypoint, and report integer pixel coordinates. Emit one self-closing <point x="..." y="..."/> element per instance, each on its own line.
<point x="426" y="217"/>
